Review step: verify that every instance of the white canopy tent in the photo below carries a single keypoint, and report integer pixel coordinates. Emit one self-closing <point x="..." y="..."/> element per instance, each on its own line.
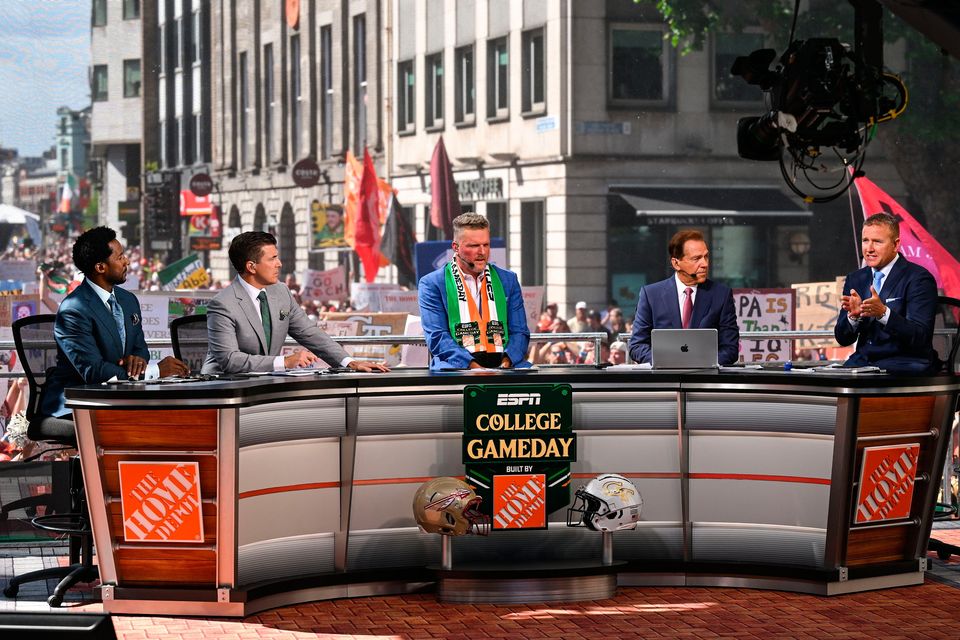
<point x="11" y="216"/>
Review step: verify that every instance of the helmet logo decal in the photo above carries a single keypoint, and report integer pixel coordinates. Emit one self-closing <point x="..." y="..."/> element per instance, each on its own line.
<point x="616" y="489"/>
<point x="447" y="500"/>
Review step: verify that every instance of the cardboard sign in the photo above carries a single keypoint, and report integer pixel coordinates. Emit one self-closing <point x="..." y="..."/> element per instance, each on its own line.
<point x="399" y="301"/>
<point x="887" y="476"/>
<point x="533" y="305"/>
<point x="765" y="310"/>
<point x="520" y="501"/>
<point x="14" y="307"/>
<point x="373" y="324"/>
<point x="161" y="501"/>
<point x="324" y="285"/>
<point x="366" y="295"/>
<point x="818" y="306"/>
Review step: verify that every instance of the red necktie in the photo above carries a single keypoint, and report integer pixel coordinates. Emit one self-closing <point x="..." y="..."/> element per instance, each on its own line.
<point x="687" y="313"/>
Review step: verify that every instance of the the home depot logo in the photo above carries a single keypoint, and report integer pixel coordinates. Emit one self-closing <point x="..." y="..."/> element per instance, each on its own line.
<point x="887" y="477"/>
<point x="520" y="501"/>
<point x="518" y="399"/>
<point x="161" y="501"/>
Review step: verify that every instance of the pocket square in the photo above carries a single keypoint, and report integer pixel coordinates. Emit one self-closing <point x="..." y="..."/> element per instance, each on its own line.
<point x="134" y="319"/>
<point x="284" y="314"/>
<point x="892" y="299"/>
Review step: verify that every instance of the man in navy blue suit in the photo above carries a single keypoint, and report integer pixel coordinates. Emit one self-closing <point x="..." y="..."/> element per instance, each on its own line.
<point x="889" y="306"/>
<point x="98" y="327"/>
<point x="472" y="311"/>
<point x="687" y="299"/>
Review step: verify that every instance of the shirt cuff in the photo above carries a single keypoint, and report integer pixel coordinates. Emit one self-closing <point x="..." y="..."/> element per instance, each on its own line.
<point x="346" y="361"/>
<point x="886" y="316"/>
<point x="152" y="372"/>
<point x="853" y="322"/>
<point x="278" y="364"/>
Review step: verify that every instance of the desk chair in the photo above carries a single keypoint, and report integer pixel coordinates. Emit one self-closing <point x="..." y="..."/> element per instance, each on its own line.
<point x="947" y="510"/>
<point x="189" y="337"/>
<point x="37" y="351"/>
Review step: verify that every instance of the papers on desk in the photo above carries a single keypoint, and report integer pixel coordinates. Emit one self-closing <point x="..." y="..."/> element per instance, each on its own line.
<point x="296" y="373"/>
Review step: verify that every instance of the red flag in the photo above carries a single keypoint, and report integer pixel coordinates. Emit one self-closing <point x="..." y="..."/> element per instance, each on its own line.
<point x="916" y="243"/>
<point x="444" y="199"/>
<point x="367" y="234"/>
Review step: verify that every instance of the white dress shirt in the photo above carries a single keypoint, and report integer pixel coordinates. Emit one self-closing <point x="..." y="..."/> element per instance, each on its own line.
<point x="681" y="295"/>
<point x="152" y="372"/>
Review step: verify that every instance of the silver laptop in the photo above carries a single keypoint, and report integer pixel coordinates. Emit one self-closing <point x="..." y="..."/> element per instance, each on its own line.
<point x="684" y="348"/>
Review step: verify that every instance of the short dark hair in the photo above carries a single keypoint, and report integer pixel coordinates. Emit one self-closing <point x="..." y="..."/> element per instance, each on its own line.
<point x="248" y="246"/>
<point x="469" y="221"/>
<point x="680" y="238"/>
<point x="92" y="248"/>
<point x="884" y="220"/>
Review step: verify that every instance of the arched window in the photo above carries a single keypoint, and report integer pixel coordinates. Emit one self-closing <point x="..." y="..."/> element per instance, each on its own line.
<point x="287" y="242"/>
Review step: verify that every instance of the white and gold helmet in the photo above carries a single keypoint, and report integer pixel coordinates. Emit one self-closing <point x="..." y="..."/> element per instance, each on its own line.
<point x="609" y="502"/>
<point x="449" y="506"/>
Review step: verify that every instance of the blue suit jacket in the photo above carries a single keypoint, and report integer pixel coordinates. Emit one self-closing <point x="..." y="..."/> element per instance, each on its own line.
<point x="659" y="308"/>
<point x="905" y="344"/>
<point x="88" y="344"/>
<point x="445" y="351"/>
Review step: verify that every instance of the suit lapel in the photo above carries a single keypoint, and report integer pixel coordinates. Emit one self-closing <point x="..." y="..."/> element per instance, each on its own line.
<point x="893" y="280"/>
<point x="277" y="304"/>
<point x="252" y="311"/>
<point x="701" y="304"/>
<point x="102" y="314"/>
<point x="669" y="300"/>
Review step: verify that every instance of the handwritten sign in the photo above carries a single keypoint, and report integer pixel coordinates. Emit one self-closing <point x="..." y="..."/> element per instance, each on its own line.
<point x="818" y="306"/>
<point x="533" y="305"/>
<point x="399" y="301"/>
<point x="765" y="310"/>
<point x="324" y="285"/>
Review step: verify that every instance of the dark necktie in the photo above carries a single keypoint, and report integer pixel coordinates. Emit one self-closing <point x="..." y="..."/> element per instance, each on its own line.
<point x="265" y="316"/>
<point x="687" y="308"/>
<point x="118" y="318"/>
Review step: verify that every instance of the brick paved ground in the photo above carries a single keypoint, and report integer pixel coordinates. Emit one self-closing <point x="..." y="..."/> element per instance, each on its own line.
<point x="930" y="611"/>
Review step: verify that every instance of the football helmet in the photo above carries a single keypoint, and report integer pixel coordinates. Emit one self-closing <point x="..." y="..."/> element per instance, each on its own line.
<point x="449" y="506"/>
<point x="609" y="502"/>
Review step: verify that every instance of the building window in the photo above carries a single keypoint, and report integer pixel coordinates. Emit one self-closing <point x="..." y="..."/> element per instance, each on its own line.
<point x="498" y="79"/>
<point x="533" y="72"/>
<point x="497" y="217"/>
<point x="296" y="96"/>
<point x="196" y="38"/>
<point x="268" y="103"/>
<point x="638" y="65"/>
<point x="164" y="156"/>
<point x="131" y="78"/>
<point x="99" y="88"/>
<point x="731" y="90"/>
<point x="197" y="138"/>
<point x="434" y="98"/>
<point x="360" y="81"/>
<point x="131" y="9"/>
<point x="162" y="39"/>
<point x="533" y="247"/>
<point x="243" y="87"/>
<point x="99" y="17"/>
<point x="64" y="155"/>
<point x="176" y="37"/>
<point x="465" y="85"/>
<point x="406" y="97"/>
<point x="326" y="89"/>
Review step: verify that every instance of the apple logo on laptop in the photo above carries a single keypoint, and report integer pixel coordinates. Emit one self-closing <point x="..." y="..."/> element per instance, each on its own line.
<point x="684" y="348"/>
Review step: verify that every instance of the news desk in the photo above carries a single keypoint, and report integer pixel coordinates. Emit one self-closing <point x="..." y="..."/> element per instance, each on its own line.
<point x="748" y="479"/>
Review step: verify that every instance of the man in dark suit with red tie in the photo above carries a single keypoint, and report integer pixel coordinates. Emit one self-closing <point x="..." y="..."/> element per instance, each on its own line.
<point x="685" y="300"/>
<point x="889" y="306"/>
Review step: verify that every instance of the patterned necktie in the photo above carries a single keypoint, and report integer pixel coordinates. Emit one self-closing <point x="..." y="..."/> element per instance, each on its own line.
<point x="877" y="280"/>
<point x="265" y="316"/>
<point x="118" y="318"/>
<point x="687" y="308"/>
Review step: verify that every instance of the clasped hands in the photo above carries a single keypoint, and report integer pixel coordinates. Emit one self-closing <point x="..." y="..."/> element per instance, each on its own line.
<point x="304" y="358"/>
<point x="169" y="366"/>
<point x="856" y="307"/>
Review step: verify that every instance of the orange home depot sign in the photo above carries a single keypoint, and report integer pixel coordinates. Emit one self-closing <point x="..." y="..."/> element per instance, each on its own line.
<point x="161" y="501"/>
<point x="887" y="477"/>
<point x="520" y="501"/>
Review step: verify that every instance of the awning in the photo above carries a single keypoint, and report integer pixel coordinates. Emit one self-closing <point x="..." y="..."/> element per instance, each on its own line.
<point x="711" y="205"/>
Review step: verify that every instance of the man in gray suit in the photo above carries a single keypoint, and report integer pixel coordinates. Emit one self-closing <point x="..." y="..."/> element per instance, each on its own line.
<point x="248" y="321"/>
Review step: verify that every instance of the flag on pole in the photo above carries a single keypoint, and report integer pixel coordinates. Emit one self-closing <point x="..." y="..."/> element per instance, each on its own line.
<point x="916" y="243"/>
<point x="444" y="199"/>
<point x="66" y="195"/>
<point x="398" y="243"/>
<point x="352" y="175"/>
<point x="367" y="232"/>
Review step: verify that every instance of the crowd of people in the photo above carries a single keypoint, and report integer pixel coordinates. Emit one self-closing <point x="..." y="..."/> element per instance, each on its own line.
<point x="610" y="322"/>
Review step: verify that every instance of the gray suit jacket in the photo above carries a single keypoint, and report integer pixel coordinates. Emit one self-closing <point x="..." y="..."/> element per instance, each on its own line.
<point x="236" y="343"/>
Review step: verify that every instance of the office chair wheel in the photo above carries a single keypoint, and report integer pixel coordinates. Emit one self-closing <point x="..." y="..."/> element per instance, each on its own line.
<point x="55" y="600"/>
<point x="11" y="591"/>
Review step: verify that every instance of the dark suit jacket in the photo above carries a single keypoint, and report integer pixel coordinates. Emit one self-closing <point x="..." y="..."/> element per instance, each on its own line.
<point x="659" y="308"/>
<point x="905" y="344"/>
<point x="445" y="351"/>
<point x="88" y="344"/>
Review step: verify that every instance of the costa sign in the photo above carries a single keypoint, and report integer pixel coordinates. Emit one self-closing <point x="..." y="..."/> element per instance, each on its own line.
<point x="201" y="185"/>
<point x="306" y="173"/>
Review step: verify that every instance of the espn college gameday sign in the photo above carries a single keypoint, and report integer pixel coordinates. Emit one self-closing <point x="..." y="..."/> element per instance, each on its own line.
<point x="518" y="443"/>
<point x="887" y="477"/>
<point x="161" y="501"/>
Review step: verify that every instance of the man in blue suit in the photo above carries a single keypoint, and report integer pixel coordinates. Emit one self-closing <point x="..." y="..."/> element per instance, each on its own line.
<point x="472" y="311"/>
<point x="687" y="299"/>
<point x="889" y="306"/>
<point x="98" y="327"/>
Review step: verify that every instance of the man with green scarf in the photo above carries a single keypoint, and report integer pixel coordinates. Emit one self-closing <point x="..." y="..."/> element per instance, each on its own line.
<point x="472" y="311"/>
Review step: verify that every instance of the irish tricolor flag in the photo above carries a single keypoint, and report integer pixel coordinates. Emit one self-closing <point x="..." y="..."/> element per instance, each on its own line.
<point x="66" y="195"/>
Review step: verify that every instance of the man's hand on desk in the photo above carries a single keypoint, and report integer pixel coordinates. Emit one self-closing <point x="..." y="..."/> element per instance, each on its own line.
<point x="135" y="366"/>
<point x="505" y="363"/>
<point x="170" y="366"/>
<point x="299" y="358"/>
<point x="366" y="366"/>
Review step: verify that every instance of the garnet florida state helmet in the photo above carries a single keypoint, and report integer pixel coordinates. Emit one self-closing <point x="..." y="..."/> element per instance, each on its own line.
<point x="449" y="506"/>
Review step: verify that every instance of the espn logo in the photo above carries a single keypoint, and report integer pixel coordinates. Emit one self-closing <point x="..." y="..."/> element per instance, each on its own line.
<point x="515" y="399"/>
